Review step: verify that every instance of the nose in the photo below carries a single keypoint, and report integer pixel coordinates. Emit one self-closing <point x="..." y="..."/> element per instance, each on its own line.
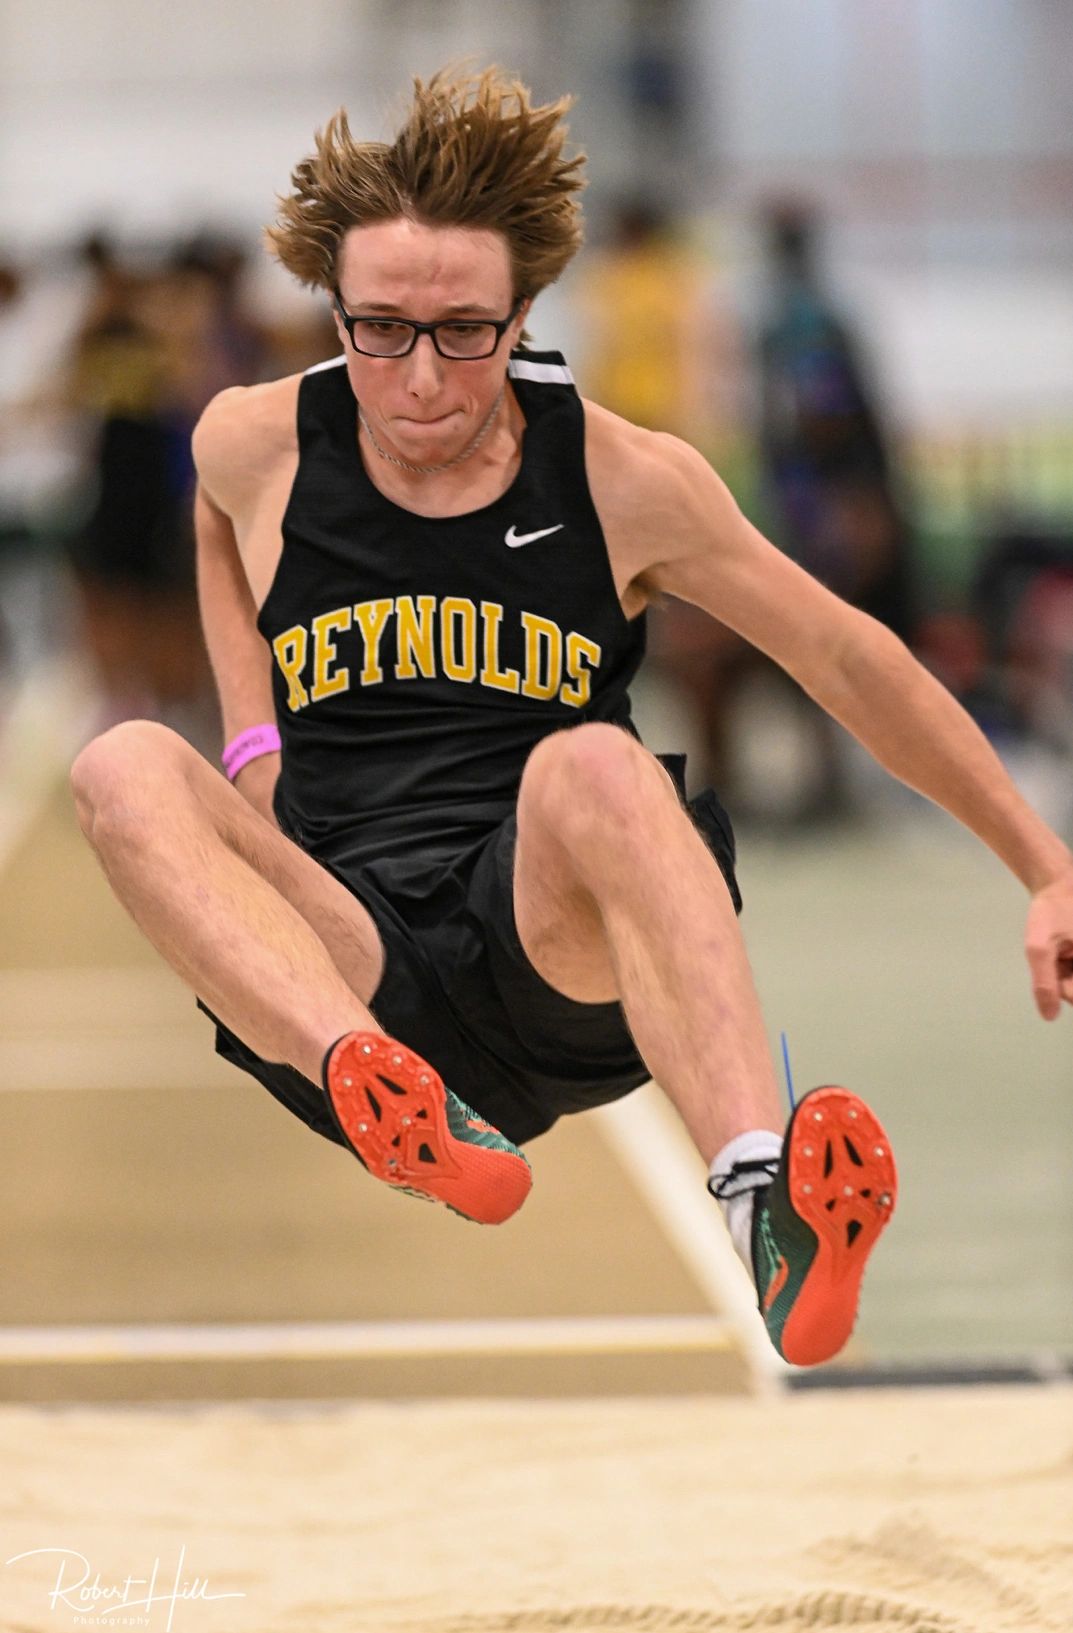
<point x="424" y="374"/>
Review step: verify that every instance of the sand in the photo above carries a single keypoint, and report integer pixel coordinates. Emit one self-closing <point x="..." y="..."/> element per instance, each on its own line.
<point x="938" y="1511"/>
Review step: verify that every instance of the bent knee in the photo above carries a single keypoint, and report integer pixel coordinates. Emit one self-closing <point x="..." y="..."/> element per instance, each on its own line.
<point x="593" y="774"/>
<point x="108" y="771"/>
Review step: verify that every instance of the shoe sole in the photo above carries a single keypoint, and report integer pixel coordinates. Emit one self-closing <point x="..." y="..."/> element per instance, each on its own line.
<point x="391" y="1108"/>
<point x="843" y="1184"/>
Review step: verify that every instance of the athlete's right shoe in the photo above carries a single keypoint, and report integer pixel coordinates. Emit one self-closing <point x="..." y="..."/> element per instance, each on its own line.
<point x="409" y="1130"/>
<point x="817" y="1222"/>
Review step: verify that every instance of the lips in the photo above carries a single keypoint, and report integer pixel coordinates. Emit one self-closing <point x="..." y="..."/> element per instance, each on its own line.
<point x="424" y="424"/>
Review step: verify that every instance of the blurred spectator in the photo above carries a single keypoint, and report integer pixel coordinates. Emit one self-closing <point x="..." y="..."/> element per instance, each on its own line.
<point x="648" y="325"/>
<point x="663" y="349"/>
<point x="829" y="500"/>
<point x="213" y="340"/>
<point x="826" y="469"/>
<point x="1023" y="600"/>
<point x="38" y="467"/>
<point x="12" y="518"/>
<point x="13" y="529"/>
<point x="133" y="556"/>
<point x="107" y="357"/>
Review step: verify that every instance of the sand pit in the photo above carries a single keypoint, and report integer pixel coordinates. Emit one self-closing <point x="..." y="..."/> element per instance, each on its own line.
<point x="938" y="1511"/>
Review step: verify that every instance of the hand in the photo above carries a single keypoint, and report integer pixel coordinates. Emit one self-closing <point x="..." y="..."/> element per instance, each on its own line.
<point x="1049" y="946"/>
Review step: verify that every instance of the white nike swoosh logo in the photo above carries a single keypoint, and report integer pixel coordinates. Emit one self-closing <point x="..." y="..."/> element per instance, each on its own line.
<point x="514" y="539"/>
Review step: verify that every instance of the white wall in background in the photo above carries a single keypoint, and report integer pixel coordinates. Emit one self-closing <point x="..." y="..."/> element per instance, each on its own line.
<point x="939" y="130"/>
<point x="146" y="115"/>
<point x="140" y="114"/>
<point x="888" y="78"/>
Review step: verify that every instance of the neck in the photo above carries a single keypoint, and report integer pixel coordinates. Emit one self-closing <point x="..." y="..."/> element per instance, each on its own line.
<point x="432" y="470"/>
<point x="455" y="488"/>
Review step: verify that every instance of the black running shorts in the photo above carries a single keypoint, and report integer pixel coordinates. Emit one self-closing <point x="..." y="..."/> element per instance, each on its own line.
<point x="458" y="989"/>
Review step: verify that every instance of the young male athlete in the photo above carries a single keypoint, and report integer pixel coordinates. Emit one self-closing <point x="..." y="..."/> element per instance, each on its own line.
<point x="464" y="883"/>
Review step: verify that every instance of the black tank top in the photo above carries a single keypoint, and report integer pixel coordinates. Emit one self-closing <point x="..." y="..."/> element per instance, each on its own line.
<point x="418" y="660"/>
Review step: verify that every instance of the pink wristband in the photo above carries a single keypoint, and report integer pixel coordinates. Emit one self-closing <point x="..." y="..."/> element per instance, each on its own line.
<point x="247" y="746"/>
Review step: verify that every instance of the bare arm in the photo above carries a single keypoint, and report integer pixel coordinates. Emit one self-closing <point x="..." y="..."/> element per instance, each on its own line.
<point x="706" y="552"/>
<point x="229" y="481"/>
<point x="241" y="662"/>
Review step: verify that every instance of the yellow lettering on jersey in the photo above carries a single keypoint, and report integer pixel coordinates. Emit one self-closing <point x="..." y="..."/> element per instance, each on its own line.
<point x="579" y="649"/>
<point x="455" y="610"/>
<point x="542" y="679"/>
<point x="325" y="625"/>
<point x="290" y="649"/>
<point x="414" y="630"/>
<point x="372" y="616"/>
<point x="505" y="680"/>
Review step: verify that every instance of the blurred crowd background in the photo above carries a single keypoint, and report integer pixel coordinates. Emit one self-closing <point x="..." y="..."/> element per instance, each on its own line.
<point x="831" y="244"/>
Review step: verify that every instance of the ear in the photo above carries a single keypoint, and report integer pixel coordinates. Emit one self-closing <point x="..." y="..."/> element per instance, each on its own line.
<point x="517" y="328"/>
<point x="337" y="320"/>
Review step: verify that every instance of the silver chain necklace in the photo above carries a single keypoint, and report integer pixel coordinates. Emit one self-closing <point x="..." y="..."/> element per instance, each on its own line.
<point x="430" y="470"/>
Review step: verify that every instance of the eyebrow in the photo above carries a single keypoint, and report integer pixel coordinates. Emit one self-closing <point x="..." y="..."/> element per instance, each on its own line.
<point x="470" y="308"/>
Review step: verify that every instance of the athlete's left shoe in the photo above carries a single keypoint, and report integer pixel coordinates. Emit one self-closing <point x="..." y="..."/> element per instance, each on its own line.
<point x="408" y="1129"/>
<point x="817" y="1222"/>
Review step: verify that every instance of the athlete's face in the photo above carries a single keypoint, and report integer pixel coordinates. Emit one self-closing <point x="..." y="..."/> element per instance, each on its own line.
<point x="425" y="407"/>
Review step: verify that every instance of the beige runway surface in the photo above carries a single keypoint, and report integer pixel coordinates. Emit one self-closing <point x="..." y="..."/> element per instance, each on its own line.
<point x="909" y="1512"/>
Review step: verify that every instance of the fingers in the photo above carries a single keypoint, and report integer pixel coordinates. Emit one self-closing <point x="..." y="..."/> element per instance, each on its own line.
<point x="1049" y="950"/>
<point x="1049" y="992"/>
<point x="1064" y="962"/>
<point x="1045" y="988"/>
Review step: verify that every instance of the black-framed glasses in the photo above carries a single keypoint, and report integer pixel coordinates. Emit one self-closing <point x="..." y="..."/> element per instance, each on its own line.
<point x="459" y="339"/>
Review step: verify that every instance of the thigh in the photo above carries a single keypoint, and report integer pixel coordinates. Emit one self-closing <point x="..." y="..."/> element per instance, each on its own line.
<point x="147" y="768"/>
<point x="557" y="922"/>
<point x="341" y="920"/>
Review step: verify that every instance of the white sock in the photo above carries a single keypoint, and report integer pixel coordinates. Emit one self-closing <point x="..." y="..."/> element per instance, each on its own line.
<point x="756" y="1145"/>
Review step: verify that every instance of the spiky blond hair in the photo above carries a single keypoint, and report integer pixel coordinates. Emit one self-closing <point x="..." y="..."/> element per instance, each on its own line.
<point x="473" y="152"/>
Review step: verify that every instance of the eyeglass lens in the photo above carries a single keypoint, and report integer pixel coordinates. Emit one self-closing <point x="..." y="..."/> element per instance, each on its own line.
<point x="384" y="338"/>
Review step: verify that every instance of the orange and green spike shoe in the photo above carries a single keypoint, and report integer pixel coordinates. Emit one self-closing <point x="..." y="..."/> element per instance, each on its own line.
<point x="817" y="1222"/>
<point x="409" y="1130"/>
